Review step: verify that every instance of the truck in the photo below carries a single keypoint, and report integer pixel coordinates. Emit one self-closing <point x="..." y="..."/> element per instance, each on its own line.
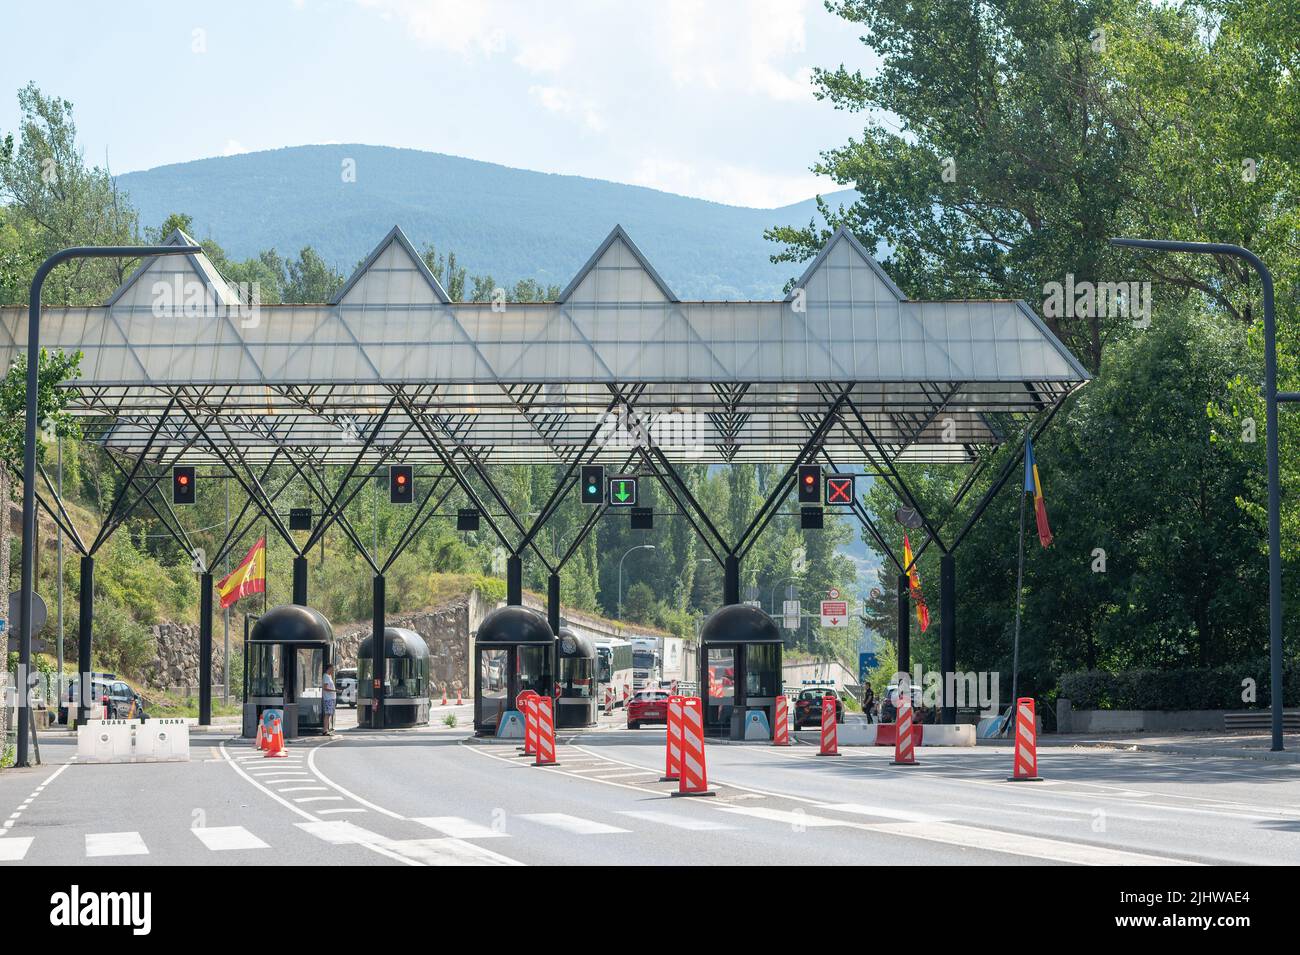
<point x="647" y="663"/>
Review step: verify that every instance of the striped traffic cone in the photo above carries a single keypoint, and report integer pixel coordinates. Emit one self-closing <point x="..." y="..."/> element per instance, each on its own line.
<point x="1025" y="769"/>
<point x="830" y="732"/>
<point x="781" y="725"/>
<point x="904" y="746"/>
<point x="694" y="779"/>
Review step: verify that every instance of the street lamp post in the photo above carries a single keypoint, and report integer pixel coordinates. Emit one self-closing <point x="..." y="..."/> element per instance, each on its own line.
<point x="1271" y="399"/>
<point x="29" y="459"/>
<point x="620" y="574"/>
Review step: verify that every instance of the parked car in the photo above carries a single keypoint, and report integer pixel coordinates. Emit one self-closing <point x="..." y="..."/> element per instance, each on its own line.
<point x="114" y="695"/>
<point x="647" y="706"/>
<point x="346" y="684"/>
<point x="808" y="707"/>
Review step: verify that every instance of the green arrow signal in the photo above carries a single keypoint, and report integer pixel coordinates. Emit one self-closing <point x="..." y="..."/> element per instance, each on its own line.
<point x="622" y="493"/>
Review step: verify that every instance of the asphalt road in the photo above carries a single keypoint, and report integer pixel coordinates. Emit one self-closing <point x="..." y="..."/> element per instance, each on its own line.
<point x="434" y="797"/>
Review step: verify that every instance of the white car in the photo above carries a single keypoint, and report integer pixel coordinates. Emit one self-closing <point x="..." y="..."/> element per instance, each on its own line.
<point x="347" y="689"/>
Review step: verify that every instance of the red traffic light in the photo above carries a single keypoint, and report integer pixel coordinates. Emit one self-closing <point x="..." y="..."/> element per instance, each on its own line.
<point x="182" y="479"/>
<point x="810" y="484"/>
<point x="401" y="478"/>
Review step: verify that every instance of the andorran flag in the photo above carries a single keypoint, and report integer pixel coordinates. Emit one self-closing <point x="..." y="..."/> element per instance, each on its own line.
<point x="914" y="586"/>
<point x="1034" y="487"/>
<point x="248" y="578"/>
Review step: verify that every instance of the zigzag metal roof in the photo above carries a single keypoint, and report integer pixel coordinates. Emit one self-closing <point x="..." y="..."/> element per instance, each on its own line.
<point x="530" y="381"/>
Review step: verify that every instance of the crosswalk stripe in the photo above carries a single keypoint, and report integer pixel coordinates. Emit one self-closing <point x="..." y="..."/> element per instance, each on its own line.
<point x="222" y="838"/>
<point x="319" y="799"/>
<point x="459" y="828"/>
<point x="328" y="812"/>
<point x="672" y="819"/>
<point x="100" y="844"/>
<point x="14" y="848"/>
<point x="788" y="817"/>
<point x="302" y="789"/>
<point x="446" y="852"/>
<point x="574" y="824"/>
<point x="341" y="833"/>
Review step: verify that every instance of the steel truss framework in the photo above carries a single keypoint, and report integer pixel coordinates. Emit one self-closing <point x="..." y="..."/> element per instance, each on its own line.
<point x="179" y="365"/>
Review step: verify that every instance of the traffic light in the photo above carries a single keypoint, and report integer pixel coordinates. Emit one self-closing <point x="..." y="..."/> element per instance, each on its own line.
<point x="401" y="489"/>
<point x="810" y="484"/>
<point x="593" y="484"/>
<point x="183" y="485"/>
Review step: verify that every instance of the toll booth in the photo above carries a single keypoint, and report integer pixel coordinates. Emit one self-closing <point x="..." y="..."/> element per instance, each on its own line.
<point x="740" y="668"/>
<point x="514" y="650"/>
<point x="406" y="679"/>
<point x="577" y="705"/>
<point x="285" y="652"/>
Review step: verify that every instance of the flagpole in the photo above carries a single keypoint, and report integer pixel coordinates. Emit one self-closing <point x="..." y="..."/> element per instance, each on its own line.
<point x="1020" y="582"/>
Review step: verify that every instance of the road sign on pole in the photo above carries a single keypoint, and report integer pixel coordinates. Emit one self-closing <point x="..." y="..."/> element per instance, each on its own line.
<point x="835" y="613"/>
<point x="790" y="613"/>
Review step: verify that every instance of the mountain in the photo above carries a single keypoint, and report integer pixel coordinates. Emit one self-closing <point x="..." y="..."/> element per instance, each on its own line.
<point x="509" y="223"/>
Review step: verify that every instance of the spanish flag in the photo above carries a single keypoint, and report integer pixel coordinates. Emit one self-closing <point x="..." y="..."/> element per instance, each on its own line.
<point x="914" y="586"/>
<point x="248" y="578"/>
<point x="1035" y="487"/>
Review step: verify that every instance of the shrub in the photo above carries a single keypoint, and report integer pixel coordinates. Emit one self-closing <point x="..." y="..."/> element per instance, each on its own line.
<point x="1217" y="688"/>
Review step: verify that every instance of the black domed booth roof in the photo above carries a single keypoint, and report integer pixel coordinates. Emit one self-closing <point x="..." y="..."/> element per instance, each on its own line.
<point x="514" y="624"/>
<point x="292" y="623"/>
<point x="398" y="642"/>
<point x="576" y="644"/>
<point x="739" y="623"/>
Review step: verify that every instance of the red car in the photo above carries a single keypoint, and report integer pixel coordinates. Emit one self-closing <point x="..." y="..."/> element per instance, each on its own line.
<point x="647" y="706"/>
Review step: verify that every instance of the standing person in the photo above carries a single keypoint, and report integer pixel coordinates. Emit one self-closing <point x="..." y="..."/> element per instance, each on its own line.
<point x="868" y="702"/>
<point x="328" y="697"/>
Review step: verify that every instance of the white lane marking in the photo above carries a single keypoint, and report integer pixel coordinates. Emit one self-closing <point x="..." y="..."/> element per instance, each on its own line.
<point x="1019" y="844"/>
<point x="459" y="828"/>
<point x="341" y="833"/>
<point x="899" y="815"/>
<point x="302" y="812"/>
<point x="573" y="824"/>
<point x="301" y="789"/>
<point x="303" y="799"/>
<point x="794" y="817"/>
<point x="224" y="838"/>
<point x="100" y="844"/>
<point x="447" y="852"/>
<point x="674" y="820"/>
<point x="311" y="763"/>
<point x="328" y="812"/>
<point x="13" y="850"/>
<point x="415" y="851"/>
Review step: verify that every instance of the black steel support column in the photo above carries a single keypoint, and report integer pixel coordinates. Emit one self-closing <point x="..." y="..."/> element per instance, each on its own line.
<point x="85" y="631"/>
<point x="904" y="625"/>
<point x="300" y="580"/>
<point x="731" y="579"/>
<point x="553" y="602"/>
<point x="948" y="636"/>
<point x="205" y="649"/>
<point x="514" y="580"/>
<point x="378" y="626"/>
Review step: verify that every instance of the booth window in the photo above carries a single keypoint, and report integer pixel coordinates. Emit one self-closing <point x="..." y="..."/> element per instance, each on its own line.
<point x="264" y="670"/>
<point x="575" y="677"/>
<point x="405" y="677"/>
<point x="494" y="686"/>
<point x="534" y="670"/>
<point x="763" y="670"/>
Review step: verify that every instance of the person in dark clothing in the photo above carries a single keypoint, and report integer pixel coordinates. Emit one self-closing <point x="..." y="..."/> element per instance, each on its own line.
<point x="868" y="703"/>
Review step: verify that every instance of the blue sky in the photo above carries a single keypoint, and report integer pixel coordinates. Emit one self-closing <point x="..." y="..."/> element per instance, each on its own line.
<point x="707" y="99"/>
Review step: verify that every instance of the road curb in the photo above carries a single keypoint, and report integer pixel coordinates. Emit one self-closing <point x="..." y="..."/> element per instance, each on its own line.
<point x="1174" y="749"/>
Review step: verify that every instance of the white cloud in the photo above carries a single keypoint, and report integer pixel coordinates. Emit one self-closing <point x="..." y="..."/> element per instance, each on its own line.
<point x="732" y="184"/>
<point x="463" y="28"/>
<point x="233" y="148"/>
<point x="556" y="99"/>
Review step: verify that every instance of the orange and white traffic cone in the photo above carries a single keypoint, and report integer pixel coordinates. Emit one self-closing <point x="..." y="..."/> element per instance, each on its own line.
<point x="526" y="701"/>
<point x="545" y="738"/>
<point x="444" y="694"/>
<point x="460" y="701"/>
<point x="904" y="746"/>
<point x="673" y="742"/>
<point x="1026" y="743"/>
<point x="260" y="742"/>
<point x="830" y="731"/>
<point x="276" y="744"/>
<point x="694" y="779"/>
<point x="781" y="725"/>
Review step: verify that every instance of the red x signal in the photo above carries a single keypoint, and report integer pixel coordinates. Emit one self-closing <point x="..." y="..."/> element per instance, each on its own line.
<point x="839" y="489"/>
